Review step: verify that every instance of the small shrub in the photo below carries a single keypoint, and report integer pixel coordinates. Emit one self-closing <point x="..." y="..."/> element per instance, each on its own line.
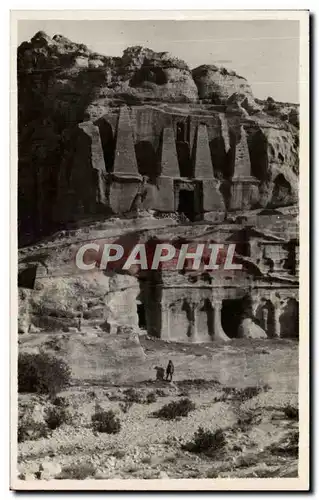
<point x="161" y="393"/>
<point x="57" y="416"/>
<point x="250" y="392"/>
<point x="132" y="396"/>
<point x="248" y="419"/>
<point x="206" y="442"/>
<point x="77" y="471"/>
<point x="106" y="421"/>
<point x="119" y="454"/>
<point x="151" y="398"/>
<point x="60" y="401"/>
<point x="234" y="394"/>
<point x="42" y="373"/>
<point x="183" y="394"/>
<point x="291" y="412"/>
<point x="175" y="409"/>
<point x="198" y="383"/>
<point x="126" y="406"/>
<point x="29" y="430"/>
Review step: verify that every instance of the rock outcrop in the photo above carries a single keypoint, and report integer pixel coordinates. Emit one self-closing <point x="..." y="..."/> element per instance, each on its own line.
<point x="217" y="84"/>
<point x="62" y="83"/>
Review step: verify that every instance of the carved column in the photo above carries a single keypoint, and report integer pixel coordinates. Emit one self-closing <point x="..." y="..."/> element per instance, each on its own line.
<point x="219" y="333"/>
<point x="165" y="322"/>
<point x="243" y="183"/>
<point x="192" y="322"/>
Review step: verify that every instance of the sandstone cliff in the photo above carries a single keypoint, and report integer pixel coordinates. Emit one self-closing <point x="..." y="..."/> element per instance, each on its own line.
<point x="61" y="84"/>
<point x="54" y="294"/>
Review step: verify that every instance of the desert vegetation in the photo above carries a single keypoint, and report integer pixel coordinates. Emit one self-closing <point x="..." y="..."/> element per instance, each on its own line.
<point x="206" y="441"/>
<point x="106" y="421"/>
<point x="42" y="373"/>
<point x="175" y="409"/>
<point x="190" y="428"/>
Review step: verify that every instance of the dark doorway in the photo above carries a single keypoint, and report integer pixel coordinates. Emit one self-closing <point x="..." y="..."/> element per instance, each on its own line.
<point x="26" y="278"/>
<point x="289" y="320"/>
<point x="141" y="316"/>
<point x="183" y="149"/>
<point x="281" y="194"/>
<point x="186" y="203"/>
<point x="184" y="160"/>
<point x="232" y="313"/>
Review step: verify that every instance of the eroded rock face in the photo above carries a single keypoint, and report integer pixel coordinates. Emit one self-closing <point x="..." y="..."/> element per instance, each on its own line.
<point x="159" y="76"/>
<point x="62" y="83"/>
<point x="65" y="303"/>
<point x="287" y="112"/>
<point x="218" y="84"/>
<point x="274" y="155"/>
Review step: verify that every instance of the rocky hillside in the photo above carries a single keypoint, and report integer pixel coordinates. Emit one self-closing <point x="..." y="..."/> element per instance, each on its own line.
<point x="61" y="83"/>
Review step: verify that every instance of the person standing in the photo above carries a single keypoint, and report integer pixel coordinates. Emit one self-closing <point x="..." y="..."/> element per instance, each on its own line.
<point x="169" y="371"/>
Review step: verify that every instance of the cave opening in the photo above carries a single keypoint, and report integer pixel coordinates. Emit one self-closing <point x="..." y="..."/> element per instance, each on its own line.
<point x="26" y="278"/>
<point x="289" y="320"/>
<point x="281" y="194"/>
<point x="141" y="316"/>
<point x="231" y="316"/>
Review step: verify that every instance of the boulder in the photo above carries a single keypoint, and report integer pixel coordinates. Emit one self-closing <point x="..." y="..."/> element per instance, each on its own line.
<point x="103" y="474"/>
<point x="163" y="475"/>
<point x="248" y="329"/>
<point x="91" y="357"/>
<point x="33" y="329"/>
<point x="218" y="84"/>
<point x="49" y="470"/>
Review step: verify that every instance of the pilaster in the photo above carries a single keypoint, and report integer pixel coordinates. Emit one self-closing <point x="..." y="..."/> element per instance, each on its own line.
<point x="219" y="333"/>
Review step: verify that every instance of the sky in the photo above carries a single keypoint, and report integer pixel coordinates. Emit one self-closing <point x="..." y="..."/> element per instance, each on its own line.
<point x="266" y="52"/>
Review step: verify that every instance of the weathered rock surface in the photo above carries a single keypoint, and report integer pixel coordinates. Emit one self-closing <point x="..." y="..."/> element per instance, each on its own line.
<point x="218" y="84"/>
<point x="90" y="357"/>
<point x="274" y="156"/>
<point x="66" y="303"/>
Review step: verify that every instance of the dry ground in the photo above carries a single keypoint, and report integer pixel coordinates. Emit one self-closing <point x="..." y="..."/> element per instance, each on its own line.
<point x="260" y="438"/>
